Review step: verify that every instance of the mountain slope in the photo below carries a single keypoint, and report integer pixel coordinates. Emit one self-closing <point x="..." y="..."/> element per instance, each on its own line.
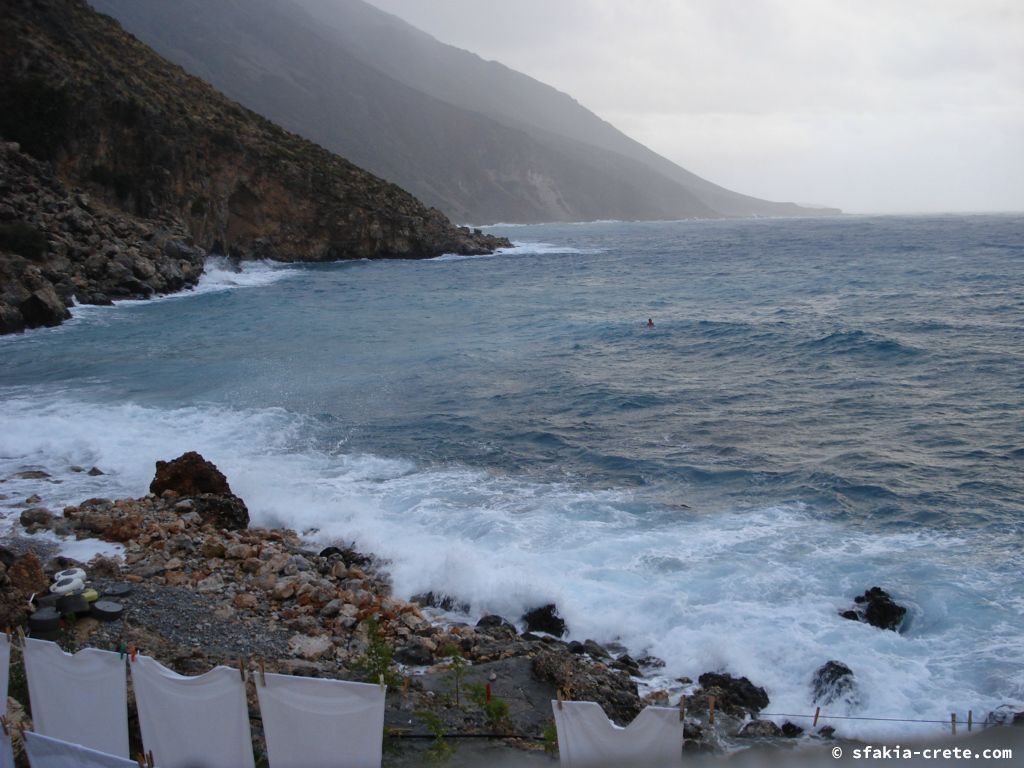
<point x="480" y="141"/>
<point x="173" y="168"/>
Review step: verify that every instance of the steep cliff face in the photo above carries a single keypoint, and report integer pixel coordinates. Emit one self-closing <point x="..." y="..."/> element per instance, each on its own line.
<point x="141" y="135"/>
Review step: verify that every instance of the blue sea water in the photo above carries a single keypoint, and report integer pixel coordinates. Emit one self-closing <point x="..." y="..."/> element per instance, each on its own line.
<point x="823" y="405"/>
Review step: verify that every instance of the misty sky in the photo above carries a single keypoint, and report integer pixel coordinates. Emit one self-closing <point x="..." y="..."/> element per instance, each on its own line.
<point x="869" y="105"/>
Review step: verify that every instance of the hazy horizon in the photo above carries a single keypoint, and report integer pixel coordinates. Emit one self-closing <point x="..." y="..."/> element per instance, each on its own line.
<point x="866" y="106"/>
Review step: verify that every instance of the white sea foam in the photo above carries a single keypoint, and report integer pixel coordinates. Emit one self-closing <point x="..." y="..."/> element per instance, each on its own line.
<point x="755" y="592"/>
<point x="520" y="248"/>
<point x="219" y="274"/>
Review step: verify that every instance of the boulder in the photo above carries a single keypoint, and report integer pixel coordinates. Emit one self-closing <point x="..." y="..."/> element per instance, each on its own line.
<point x="228" y="511"/>
<point x="39" y="516"/>
<point x="877" y="608"/>
<point x="833" y="682"/>
<point x="545" y="619"/>
<point x="189" y="475"/>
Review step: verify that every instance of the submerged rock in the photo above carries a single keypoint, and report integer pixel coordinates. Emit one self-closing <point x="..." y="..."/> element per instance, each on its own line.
<point x="760" y="728"/>
<point x="833" y="681"/>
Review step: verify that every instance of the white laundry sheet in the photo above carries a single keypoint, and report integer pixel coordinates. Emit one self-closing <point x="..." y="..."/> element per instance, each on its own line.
<point x="81" y="698"/>
<point x="6" y="752"/>
<point x="5" y="670"/>
<point x="192" y="722"/>
<point x="588" y="739"/>
<point x="44" y="752"/>
<point x="315" y="723"/>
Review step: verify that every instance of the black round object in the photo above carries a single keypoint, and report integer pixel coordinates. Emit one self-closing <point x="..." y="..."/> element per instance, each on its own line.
<point x="120" y="589"/>
<point x="107" y="610"/>
<point x="75" y="603"/>
<point x="44" y="620"/>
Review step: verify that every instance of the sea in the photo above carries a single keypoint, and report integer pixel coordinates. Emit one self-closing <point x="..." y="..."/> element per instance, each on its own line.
<point x="822" y="405"/>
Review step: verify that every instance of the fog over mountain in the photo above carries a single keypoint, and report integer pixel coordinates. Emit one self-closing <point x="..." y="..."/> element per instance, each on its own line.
<point x="472" y="137"/>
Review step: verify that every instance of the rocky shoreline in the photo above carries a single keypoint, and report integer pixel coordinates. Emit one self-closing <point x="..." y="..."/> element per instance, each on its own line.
<point x="199" y="587"/>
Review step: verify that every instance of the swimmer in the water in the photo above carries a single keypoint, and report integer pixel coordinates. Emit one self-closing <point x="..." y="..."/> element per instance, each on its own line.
<point x="650" y="322"/>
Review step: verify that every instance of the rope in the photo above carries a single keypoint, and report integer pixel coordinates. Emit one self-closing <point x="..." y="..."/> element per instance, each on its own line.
<point x="823" y="716"/>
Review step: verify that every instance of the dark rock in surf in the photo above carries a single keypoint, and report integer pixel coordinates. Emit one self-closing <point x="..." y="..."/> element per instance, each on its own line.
<point x="833" y="681"/>
<point x="877" y="608"/>
<point x="735" y="696"/>
<point x="440" y="600"/>
<point x="791" y="730"/>
<point x="545" y="619"/>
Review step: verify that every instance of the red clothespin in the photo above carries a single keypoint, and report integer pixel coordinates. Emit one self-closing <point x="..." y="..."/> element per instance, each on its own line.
<point x="132" y="652"/>
<point x="487" y="692"/>
<point x="141" y="760"/>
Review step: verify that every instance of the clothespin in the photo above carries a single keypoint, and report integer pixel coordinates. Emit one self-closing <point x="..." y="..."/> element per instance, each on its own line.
<point x="382" y="686"/>
<point x="132" y="652"/>
<point x="263" y="673"/>
<point x="405" y="686"/>
<point x="150" y="762"/>
<point x="6" y="725"/>
<point x="141" y="760"/>
<point x="558" y="695"/>
<point x="682" y="708"/>
<point x="122" y="649"/>
<point x="21" y="637"/>
<point x="241" y="668"/>
<point x="7" y="631"/>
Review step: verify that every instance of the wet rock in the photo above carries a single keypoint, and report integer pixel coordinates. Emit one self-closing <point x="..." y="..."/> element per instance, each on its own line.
<point x="760" y="729"/>
<point x="833" y="681"/>
<point x="39" y="516"/>
<point x="545" y="619"/>
<point x="735" y="696"/>
<point x="440" y="600"/>
<point x="32" y="474"/>
<point x="595" y="650"/>
<point x="189" y="475"/>
<point x="877" y="608"/>
<point x="95" y="472"/>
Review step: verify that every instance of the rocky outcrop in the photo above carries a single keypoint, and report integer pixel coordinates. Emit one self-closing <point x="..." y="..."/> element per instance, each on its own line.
<point x="877" y="608"/>
<point x="208" y="492"/>
<point x="735" y="696"/>
<point x="172" y="170"/>
<point x="58" y="246"/>
<point x="581" y="681"/>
